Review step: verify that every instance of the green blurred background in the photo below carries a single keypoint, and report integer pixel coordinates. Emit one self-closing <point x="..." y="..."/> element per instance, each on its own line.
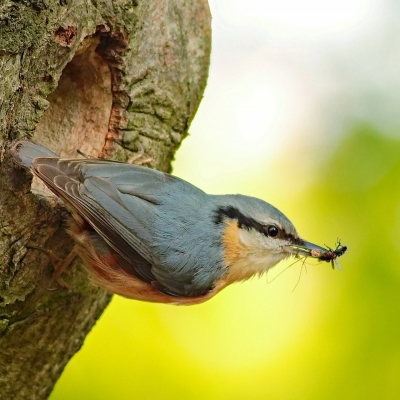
<point x="301" y="110"/>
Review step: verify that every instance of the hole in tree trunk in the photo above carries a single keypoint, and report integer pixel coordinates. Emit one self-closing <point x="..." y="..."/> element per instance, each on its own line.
<point x="80" y="106"/>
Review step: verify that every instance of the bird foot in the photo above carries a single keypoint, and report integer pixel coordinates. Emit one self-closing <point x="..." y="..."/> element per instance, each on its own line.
<point x="59" y="264"/>
<point x="140" y="158"/>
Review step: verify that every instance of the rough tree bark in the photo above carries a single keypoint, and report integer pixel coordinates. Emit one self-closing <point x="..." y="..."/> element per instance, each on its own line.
<point x="101" y="76"/>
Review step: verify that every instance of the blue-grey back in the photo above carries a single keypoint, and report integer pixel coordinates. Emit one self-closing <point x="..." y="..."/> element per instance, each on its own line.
<point x="187" y="242"/>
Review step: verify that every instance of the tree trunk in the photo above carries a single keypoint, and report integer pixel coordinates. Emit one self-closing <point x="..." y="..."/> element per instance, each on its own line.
<point x="104" y="77"/>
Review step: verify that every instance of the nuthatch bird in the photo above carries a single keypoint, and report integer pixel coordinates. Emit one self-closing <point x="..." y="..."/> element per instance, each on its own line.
<point x="148" y="235"/>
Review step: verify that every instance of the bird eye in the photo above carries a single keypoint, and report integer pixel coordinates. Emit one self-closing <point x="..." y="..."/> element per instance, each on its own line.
<point x="272" y="230"/>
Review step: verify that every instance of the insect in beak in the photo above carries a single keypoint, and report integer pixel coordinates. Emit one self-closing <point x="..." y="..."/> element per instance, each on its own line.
<point x="332" y="255"/>
<point x="323" y="254"/>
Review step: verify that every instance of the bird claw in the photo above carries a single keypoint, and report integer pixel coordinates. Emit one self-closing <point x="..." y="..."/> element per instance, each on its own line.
<point x="59" y="264"/>
<point x="81" y="153"/>
<point x="140" y="158"/>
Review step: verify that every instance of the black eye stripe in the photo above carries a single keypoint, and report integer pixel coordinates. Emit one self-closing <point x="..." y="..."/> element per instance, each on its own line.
<point x="248" y="222"/>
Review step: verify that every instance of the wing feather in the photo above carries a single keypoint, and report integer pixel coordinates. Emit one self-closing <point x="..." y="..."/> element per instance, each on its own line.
<point x="144" y="215"/>
<point x="99" y="203"/>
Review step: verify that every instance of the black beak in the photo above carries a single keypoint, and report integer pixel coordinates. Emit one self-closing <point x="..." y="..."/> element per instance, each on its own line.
<point x="307" y="249"/>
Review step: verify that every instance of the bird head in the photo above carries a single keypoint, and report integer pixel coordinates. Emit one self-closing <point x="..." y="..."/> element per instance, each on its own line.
<point x="256" y="236"/>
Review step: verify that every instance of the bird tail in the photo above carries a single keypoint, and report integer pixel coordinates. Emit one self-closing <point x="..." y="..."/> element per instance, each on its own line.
<point x="24" y="152"/>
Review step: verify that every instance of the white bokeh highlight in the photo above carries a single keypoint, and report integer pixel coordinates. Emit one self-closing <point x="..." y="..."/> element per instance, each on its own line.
<point x="287" y="76"/>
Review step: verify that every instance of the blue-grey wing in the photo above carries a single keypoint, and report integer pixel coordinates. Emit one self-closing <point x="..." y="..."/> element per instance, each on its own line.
<point x="139" y="210"/>
<point x="99" y="202"/>
<point x="171" y="217"/>
<point x="161" y="225"/>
